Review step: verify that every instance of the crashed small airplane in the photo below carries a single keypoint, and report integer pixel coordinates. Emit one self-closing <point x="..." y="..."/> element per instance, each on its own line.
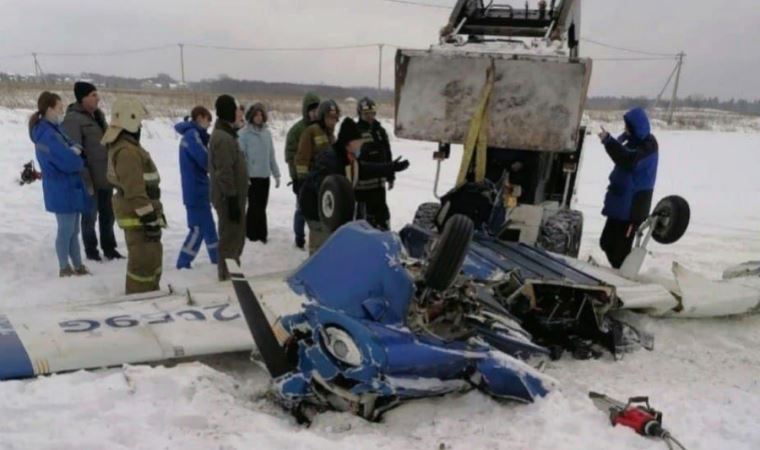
<point x="476" y="293"/>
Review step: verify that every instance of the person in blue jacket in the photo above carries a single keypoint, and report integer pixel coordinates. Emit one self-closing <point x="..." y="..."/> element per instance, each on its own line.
<point x="63" y="188"/>
<point x="193" y="165"/>
<point x="629" y="195"/>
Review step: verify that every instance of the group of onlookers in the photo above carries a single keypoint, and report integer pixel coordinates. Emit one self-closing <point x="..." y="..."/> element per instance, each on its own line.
<point x="74" y="162"/>
<point x="96" y="172"/>
<point x="99" y="172"/>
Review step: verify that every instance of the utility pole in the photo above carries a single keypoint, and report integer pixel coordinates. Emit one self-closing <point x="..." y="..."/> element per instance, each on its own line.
<point x="37" y="67"/>
<point x="182" y="62"/>
<point x="674" y="99"/>
<point x="380" y="69"/>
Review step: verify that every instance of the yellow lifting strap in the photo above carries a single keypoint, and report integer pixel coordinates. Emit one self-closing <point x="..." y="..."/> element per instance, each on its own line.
<point x="476" y="143"/>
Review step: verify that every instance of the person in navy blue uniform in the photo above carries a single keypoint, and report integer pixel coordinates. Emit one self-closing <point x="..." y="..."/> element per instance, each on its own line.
<point x="63" y="188"/>
<point x="193" y="164"/>
<point x="629" y="196"/>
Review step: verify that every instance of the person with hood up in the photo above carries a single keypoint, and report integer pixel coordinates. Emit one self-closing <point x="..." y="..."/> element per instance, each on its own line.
<point x="193" y="167"/>
<point x="256" y="143"/>
<point x="309" y="109"/>
<point x="229" y="182"/>
<point x="341" y="158"/>
<point x="315" y="139"/>
<point x="629" y="196"/>
<point x="63" y="189"/>
<point x="85" y="124"/>
<point x="370" y="193"/>
<point x="137" y="201"/>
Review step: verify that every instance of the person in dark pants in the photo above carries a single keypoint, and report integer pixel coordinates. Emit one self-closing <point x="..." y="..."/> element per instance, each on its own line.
<point x="309" y="109"/>
<point x="85" y="124"/>
<point x="629" y="195"/>
<point x="256" y="143"/>
<point x="229" y="182"/>
<point x="370" y="193"/>
<point x="340" y="158"/>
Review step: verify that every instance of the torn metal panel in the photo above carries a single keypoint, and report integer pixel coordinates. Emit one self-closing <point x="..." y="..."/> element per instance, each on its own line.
<point x="706" y="298"/>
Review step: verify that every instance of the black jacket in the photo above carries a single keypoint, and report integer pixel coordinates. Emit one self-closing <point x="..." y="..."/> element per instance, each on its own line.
<point x="376" y="149"/>
<point x="333" y="162"/>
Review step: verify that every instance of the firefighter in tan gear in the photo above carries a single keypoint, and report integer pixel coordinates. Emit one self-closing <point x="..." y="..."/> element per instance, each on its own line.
<point x="315" y="139"/>
<point x="137" y="200"/>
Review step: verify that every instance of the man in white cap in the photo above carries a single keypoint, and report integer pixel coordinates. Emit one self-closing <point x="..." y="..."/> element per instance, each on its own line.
<point x="137" y="201"/>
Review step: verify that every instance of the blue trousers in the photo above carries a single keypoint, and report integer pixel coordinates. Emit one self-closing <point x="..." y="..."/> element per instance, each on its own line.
<point x="200" y="221"/>
<point x="67" y="240"/>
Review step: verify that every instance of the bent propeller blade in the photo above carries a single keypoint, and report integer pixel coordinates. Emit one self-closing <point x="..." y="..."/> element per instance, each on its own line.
<point x="272" y="353"/>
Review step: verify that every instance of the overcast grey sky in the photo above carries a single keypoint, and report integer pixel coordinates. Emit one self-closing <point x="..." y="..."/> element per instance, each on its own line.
<point x="719" y="38"/>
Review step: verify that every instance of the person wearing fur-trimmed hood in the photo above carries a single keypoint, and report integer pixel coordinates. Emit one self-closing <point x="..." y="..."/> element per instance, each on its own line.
<point x="256" y="143"/>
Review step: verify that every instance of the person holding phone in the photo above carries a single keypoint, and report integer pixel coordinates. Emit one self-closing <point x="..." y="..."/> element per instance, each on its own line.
<point x="629" y="196"/>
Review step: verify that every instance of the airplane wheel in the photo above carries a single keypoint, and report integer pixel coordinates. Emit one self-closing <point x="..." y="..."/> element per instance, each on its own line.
<point x="448" y="253"/>
<point x="336" y="202"/>
<point x="675" y="214"/>
<point x="426" y="214"/>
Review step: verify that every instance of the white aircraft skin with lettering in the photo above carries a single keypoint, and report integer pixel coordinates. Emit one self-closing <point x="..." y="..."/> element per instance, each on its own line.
<point x="144" y="328"/>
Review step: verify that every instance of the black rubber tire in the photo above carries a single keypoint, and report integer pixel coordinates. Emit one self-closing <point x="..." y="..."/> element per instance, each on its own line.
<point x="426" y="214"/>
<point x="448" y="253"/>
<point x="561" y="233"/>
<point x="675" y="216"/>
<point x="336" y="202"/>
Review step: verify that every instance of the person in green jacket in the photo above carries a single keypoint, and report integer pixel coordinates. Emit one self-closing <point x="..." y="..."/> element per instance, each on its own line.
<point x="309" y="109"/>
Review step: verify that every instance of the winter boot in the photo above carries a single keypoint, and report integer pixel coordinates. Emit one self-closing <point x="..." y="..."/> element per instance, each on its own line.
<point x="66" y="272"/>
<point x="82" y="270"/>
<point x="112" y="255"/>
<point x="94" y="257"/>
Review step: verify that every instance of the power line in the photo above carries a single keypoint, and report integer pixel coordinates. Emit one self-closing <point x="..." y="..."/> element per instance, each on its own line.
<point x="624" y="49"/>
<point x="635" y="59"/>
<point x="424" y="5"/>
<point x="284" y="49"/>
<point x="20" y="55"/>
<point x="108" y="52"/>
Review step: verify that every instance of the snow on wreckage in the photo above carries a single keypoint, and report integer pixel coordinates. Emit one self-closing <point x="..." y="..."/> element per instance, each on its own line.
<point x="370" y="335"/>
<point x="468" y="298"/>
<point x="448" y="306"/>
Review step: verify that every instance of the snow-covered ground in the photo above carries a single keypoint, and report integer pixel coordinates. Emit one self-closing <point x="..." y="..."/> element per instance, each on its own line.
<point x="704" y="375"/>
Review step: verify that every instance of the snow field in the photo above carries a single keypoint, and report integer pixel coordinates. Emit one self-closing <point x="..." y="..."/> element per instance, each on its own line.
<point x="704" y="374"/>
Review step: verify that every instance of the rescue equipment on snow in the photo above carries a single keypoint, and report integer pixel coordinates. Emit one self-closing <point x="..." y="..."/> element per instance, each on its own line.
<point x="638" y="415"/>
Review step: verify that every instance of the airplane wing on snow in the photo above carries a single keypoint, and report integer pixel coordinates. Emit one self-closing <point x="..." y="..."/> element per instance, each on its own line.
<point x="136" y="329"/>
<point x="687" y="295"/>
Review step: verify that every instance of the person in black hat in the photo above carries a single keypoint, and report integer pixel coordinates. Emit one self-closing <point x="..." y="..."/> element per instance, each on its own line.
<point x="229" y="182"/>
<point x="370" y="193"/>
<point x="342" y="158"/>
<point x="85" y="124"/>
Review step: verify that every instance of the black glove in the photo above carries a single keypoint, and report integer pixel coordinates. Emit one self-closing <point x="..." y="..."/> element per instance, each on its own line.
<point x="400" y="165"/>
<point x="151" y="227"/>
<point x="297" y="184"/>
<point x="233" y="209"/>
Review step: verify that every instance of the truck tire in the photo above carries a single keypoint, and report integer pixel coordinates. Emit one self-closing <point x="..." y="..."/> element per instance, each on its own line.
<point x="426" y="214"/>
<point x="336" y="202"/>
<point x="448" y="253"/>
<point x="675" y="214"/>
<point x="561" y="233"/>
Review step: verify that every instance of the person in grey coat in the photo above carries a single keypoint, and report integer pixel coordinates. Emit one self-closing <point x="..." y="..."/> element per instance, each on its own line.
<point x="228" y="182"/>
<point x="257" y="146"/>
<point x="85" y="124"/>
